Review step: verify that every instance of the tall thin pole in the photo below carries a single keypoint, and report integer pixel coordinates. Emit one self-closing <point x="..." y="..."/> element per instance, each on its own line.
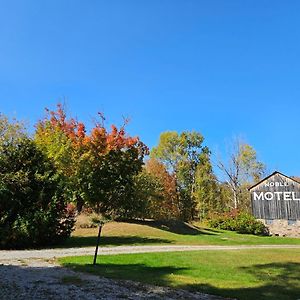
<point x="98" y="240"/>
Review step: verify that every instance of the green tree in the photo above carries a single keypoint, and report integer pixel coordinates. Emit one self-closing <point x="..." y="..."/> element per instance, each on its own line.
<point x="33" y="210"/>
<point x="148" y="193"/>
<point x="207" y="189"/>
<point x="183" y="155"/>
<point x="109" y="184"/>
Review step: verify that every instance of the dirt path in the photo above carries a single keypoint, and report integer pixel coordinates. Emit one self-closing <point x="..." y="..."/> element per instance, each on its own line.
<point x="52" y="253"/>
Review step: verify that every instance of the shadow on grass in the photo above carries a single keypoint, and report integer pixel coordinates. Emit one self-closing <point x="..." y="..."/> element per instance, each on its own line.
<point x="86" y="241"/>
<point x="213" y="231"/>
<point x="280" y="281"/>
<point x="175" y="226"/>
<point x="135" y="272"/>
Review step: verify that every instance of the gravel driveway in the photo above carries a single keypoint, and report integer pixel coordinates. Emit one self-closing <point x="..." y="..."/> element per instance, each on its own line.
<point x="61" y="252"/>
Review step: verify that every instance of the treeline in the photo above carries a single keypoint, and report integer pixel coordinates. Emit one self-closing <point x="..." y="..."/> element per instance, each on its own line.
<point x="63" y="168"/>
<point x="178" y="180"/>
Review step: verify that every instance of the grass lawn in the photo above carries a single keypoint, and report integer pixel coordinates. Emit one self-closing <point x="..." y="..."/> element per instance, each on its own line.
<point x="150" y="232"/>
<point x="243" y="274"/>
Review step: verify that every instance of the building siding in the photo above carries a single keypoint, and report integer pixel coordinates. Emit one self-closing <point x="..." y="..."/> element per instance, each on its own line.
<point x="276" y="198"/>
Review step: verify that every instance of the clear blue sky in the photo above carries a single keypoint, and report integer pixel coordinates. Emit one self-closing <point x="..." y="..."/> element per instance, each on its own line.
<point x="220" y="67"/>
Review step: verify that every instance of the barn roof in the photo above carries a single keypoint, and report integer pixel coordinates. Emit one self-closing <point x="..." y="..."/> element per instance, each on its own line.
<point x="274" y="173"/>
<point x="296" y="178"/>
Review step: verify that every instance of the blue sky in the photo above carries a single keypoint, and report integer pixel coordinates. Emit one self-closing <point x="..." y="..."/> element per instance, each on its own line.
<point x="223" y="68"/>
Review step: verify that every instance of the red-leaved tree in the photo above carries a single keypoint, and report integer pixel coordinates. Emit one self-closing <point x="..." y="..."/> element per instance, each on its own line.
<point x="99" y="166"/>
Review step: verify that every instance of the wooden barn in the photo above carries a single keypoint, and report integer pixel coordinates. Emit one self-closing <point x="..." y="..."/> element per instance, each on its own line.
<point x="276" y="201"/>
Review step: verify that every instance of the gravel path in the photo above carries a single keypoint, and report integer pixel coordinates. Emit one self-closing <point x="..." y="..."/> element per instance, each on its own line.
<point x="52" y="253"/>
<point x="34" y="275"/>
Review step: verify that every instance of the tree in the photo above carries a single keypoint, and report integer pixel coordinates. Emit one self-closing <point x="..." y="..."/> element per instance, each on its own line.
<point x="155" y="193"/>
<point x="10" y="131"/>
<point x="62" y="140"/>
<point x="241" y="169"/>
<point x="98" y="166"/>
<point x="207" y="191"/>
<point x="166" y="204"/>
<point x="33" y="209"/>
<point x="148" y="194"/>
<point x="183" y="154"/>
<point x="167" y="151"/>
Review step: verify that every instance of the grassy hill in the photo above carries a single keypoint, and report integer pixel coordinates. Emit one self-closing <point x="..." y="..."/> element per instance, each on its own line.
<point x="170" y="233"/>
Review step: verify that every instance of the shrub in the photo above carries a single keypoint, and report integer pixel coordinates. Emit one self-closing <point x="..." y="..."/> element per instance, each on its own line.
<point x="241" y="222"/>
<point x="33" y="210"/>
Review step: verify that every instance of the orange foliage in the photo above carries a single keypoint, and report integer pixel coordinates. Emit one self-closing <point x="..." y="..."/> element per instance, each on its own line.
<point x="99" y="139"/>
<point x="169" y="205"/>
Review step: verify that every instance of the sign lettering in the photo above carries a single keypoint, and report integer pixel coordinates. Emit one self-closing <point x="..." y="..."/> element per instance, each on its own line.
<point x="277" y="184"/>
<point x="286" y="196"/>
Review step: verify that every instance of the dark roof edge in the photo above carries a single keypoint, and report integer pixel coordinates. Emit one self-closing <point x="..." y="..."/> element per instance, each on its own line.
<point x="266" y="178"/>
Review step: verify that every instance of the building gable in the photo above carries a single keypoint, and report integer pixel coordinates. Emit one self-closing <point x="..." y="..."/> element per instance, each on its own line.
<point x="276" y="197"/>
<point x="275" y="177"/>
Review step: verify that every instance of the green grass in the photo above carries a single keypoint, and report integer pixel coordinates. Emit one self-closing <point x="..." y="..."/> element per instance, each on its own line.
<point x="154" y="233"/>
<point x="243" y="274"/>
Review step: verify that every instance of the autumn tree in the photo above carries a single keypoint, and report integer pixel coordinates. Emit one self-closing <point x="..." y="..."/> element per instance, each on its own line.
<point x="99" y="166"/>
<point x="166" y="205"/>
<point x="114" y="160"/>
<point x="63" y="140"/>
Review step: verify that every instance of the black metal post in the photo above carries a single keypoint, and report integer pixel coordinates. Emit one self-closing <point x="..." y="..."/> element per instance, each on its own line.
<point x="98" y="240"/>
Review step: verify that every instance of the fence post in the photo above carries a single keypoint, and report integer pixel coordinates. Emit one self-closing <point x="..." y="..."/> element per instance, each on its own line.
<point x="98" y="240"/>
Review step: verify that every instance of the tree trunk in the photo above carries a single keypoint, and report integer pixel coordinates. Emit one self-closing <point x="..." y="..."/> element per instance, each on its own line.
<point x="235" y="199"/>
